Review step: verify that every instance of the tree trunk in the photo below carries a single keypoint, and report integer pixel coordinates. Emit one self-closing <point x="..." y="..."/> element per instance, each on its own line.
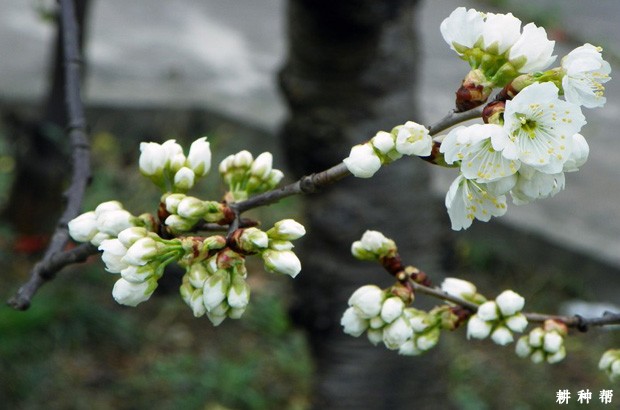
<point x="351" y="72"/>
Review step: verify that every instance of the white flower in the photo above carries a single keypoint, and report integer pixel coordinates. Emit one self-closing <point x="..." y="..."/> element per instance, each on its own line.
<point x="372" y="245"/>
<point x="130" y="235"/>
<point x="352" y="323"/>
<point x="585" y="72"/>
<point x="509" y="302"/>
<point x="552" y="342"/>
<point x="539" y="128"/>
<point x="532" y="51"/>
<point x="131" y="293"/>
<point x="391" y="309"/>
<point x="458" y="287"/>
<point x="467" y="200"/>
<point x="367" y="301"/>
<point x="114" y="222"/>
<point x="107" y="207"/>
<point x="199" y="157"/>
<point x="532" y="185"/>
<point x="285" y="262"/>
<point x="190" y="207"/>
<point x="362" y="161"/>
<point x="262" y="165"/>
<point x="478" y="328"/>
<point x="243" y="159"/>
<point x="472" y="146"/>
<point x="84" y="227"/>
<point x="488" y="311"/>
<point x="141" y="252"/>
<point x="413" y="139"/>
<point x="153" y="158"/>
<point x="184" y="179"/>
<point x="517" y="322"/>
<point x="396" y="333"/>
<point x="287" y="229"/>
<point x="500" y="32"/>
<point x="578" y="155"/>
<point x="113" y="253"/>
<point x="462" y="29"/>
<point x="502" y="336"/>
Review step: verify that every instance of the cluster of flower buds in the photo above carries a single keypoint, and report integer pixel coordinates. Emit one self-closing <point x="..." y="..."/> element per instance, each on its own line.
<point x="214" y="283"/>
<point x="373" y="246"/>
<point x="140" y="257"/>
<point x="544" y="343"/>
<point x="168" y="167"/>
<point x="105" y="222"/>
<point x="411" y="138"/>
<point x="186" y="211"/>
<point x="528" y="142"/>
<point x="246" y="176"/>
<point x="217" y="287"/>
<point x="385" y="318"/>
<point x="498" y="318"/>
<point x="610" y="363"/>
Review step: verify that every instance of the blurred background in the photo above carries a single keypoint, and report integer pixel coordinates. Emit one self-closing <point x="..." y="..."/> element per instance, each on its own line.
<point x="304" y="80"/>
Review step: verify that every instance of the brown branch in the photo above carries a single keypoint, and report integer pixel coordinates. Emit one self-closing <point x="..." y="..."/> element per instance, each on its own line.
<point x="52" y="259"/>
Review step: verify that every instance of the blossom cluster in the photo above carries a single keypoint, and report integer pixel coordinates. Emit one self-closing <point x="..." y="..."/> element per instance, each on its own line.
<point x="168" y="167"/>
<point x="531" y="136"/>
<point x="544" y="343"/>
<point x="139" y="248"/>
<point x="498" y="318"/>
<point x="246" y="175"/>
<point x="610" y="363"/>
<point x="411" y="138"/>
<point x="385" y="318"/>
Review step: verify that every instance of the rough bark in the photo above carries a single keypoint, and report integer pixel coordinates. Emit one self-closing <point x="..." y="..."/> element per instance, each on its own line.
<point x="350" y="72"/>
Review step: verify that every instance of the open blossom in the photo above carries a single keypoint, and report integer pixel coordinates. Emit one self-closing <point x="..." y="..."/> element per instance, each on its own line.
<point x="462" y="29"/>
<point x="532" y="185"/>
<point x="472" y="146"/>
<point x="539" y="128"/>
<point x="467" y="200"/>
<point x="533" y="50"/>
<point x="585" y="72"/>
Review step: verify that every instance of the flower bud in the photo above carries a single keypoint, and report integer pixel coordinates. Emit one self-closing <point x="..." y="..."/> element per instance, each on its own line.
<point x="177" y="223"/>
<point x="458" y="287"/>
<point x="376" y="322"/>
<point x="99" y="238"/>
<point x="557" y="356"/>
<point x="287" y="229"/>
<point x="362" y="161"/>
<point x="196" y="303"/>
<point x="197" y="275"/>
<point x="367" y="301"/>
<point x="191" y="207"/>
<point x="428" y="340"/>
<point x="523" y="348"/>
<point x="199" y="157"/>
<point x="409" y="348"/>
<point x="488" y="311"/>
<point x="517" y="323"/>
<point x="239" y="293"/>
<point x="392" y="308"/>
<point x="274" y="178"/>
<point x="509" y="302"/>
<point x="373" y="246"/>
<point x="113" y="222"/>
<point x="352" y="323"/>
<point x="84" y="227"/>
<point x="107" y="207"/>
<point x="536" y="337"/>
<point x="226" y="164"/>
<point x="285" y="262"/>
<point x="261" y="167"/>
<point x="478" y="328"/>
<point x="113" y="253"/>
<point x="253" y="240"/>
<point x="174" y="155"/>
<point x="552" y="342"/>
<point x="413" y="139"/>
<point x="137" y="274"/>
<point x="243" y="159"/>
<point x="235" y="313"/>
<point x="141" y="252"/>
<point x="502" y="336"/>
<point x="152" y="158"/>
<point x="383" y="142"/>
<point x="130" y="293"/>
<point x="215" y="290"/>
<point x="184" y="179"/>
<point x="396" y="333"/>
<point x="375" y="336"/>
<point x="130" y="235"/>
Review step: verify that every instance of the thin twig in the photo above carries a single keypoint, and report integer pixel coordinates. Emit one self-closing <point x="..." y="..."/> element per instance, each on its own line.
<point x="52" y="260"/>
